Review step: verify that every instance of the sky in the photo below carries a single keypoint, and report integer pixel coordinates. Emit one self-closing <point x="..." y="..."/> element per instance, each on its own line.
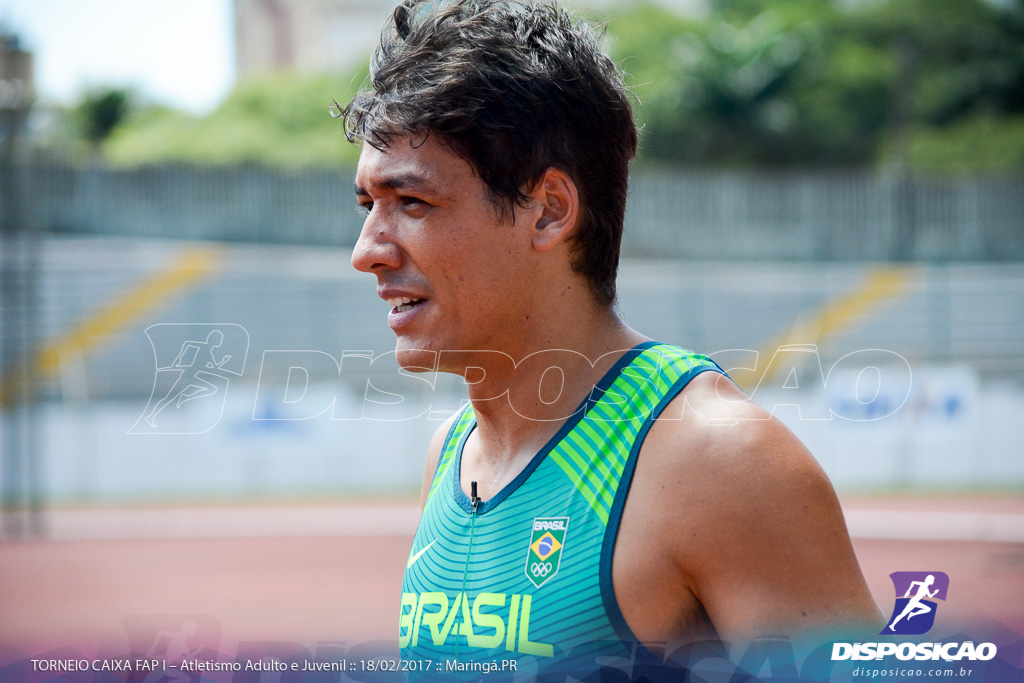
<point x="177" y="53"/>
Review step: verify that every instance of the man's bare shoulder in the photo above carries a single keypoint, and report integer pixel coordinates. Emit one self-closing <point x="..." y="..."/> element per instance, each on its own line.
<point x="758" y="534"/>
<point x="714" y="431"/>
<point x="712" y="444"/>
<point x="714" y="428"/>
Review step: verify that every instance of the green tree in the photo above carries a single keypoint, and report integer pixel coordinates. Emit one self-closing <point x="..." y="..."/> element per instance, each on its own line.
<point x="814" y="83"/>
<point x="959" y="96"/>
<point x="280" y="119"/>
<point x="100" y="112"/>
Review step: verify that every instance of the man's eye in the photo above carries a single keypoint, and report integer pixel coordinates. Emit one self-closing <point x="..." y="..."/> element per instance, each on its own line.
<point x="412" y="201"/>
<point x="365" y="208"/>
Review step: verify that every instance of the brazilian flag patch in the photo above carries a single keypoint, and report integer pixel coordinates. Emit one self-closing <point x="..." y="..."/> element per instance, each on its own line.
<point x="545" y="553"/>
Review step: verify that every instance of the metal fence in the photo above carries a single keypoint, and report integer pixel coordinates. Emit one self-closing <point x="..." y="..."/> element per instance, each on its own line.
<point x="826" y="217"/>
<point x="801" y="216"/>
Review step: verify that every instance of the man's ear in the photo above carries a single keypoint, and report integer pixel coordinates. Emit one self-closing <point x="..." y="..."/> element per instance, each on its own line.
<point x="559" y="201"/>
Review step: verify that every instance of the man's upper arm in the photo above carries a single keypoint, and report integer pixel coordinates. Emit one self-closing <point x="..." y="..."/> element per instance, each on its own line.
<point x="433" y="456"/>
<point x="762" y="544"/>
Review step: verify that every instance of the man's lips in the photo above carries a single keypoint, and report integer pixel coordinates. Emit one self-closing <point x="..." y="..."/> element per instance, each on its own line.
<point x="388" y="292"/>
<point x="404" y="305"/>
<point x="401" y="299"/>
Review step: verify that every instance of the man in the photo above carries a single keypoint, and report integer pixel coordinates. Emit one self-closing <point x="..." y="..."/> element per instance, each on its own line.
<point x="600" y="487"/>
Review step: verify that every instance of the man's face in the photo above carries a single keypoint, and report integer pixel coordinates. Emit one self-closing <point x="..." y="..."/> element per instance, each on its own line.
<point x="454" y="272"/>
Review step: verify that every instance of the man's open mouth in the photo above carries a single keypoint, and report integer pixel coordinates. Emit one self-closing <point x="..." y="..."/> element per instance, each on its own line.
<point x="404" y="303"/>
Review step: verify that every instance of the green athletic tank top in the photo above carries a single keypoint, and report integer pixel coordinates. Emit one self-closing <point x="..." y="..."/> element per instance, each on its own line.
<point x="522" y="582"/>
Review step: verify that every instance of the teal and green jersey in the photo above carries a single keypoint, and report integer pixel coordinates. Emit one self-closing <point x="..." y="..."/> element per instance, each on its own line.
<point x="525" y="577"/>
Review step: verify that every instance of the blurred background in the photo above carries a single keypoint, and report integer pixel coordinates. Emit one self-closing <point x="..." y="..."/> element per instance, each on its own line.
<point x="829" y="200"/>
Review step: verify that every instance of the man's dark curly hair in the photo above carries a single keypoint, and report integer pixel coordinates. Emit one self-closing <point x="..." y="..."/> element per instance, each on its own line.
<point x="514" y="88"/>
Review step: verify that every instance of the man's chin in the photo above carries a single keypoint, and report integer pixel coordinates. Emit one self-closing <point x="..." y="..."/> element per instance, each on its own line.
<point x="416" y="360"/>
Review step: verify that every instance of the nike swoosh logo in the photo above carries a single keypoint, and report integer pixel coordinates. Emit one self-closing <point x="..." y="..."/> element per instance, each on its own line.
<point x="412" y="560"/>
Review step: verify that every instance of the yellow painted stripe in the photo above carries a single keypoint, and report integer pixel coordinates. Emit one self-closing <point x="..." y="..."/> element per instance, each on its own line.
<point x="191" y="266"/>
<point x="881" y="284"/>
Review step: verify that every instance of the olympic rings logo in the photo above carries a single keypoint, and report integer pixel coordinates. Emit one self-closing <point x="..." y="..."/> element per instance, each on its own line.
<point x="541" y="568"/>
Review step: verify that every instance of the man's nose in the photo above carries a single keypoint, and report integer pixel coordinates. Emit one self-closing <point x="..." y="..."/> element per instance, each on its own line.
<point x="376" y="247"/>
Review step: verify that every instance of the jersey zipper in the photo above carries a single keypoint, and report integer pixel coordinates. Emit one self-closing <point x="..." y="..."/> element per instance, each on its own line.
<point x="474" y="501"/>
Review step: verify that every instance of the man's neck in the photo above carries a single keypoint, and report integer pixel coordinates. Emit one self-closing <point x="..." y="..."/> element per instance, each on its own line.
<point x="523" y="399"/>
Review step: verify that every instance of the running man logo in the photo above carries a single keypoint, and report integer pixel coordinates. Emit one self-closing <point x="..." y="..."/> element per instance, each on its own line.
<point x="914" y="612"/>
<point x="545" y="550"/>
<point x="171" y="637"/>
<point x="193" y="361"/>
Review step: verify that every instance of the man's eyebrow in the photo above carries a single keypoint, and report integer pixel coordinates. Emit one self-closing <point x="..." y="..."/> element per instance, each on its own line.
<point x="402" y="181"/>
